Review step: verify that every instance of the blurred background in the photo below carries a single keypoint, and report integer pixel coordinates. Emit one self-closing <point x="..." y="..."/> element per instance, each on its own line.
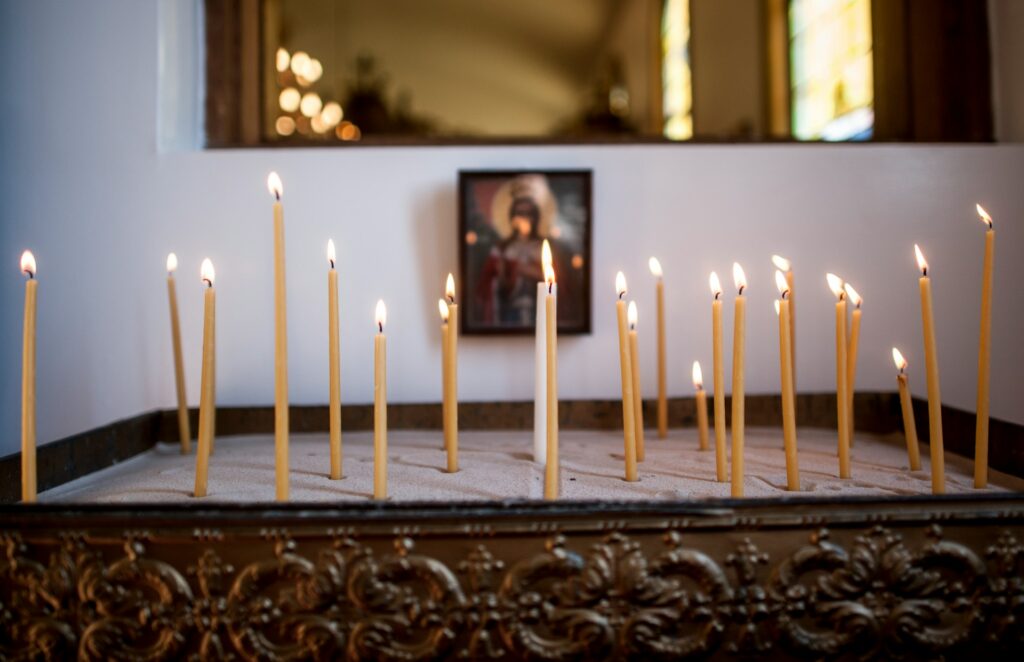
<point x="465" y="71"/>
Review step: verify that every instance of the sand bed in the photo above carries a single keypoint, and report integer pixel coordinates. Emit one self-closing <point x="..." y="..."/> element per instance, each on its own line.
<point x="498" y="465"/>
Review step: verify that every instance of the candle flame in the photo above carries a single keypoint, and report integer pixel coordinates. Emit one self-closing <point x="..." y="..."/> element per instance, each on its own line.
<point x="545" y="260"/>
<point x="631" y="314"/>
<point x="897" y="358"/>
<point x="739" y="278"/>
<point x="381" y="315"/>
<point x="275" y="186"/>
<point x="835" y="283"/>
<point x="449" y="288"/>
<point x="172" y="262"/>
<point x="922" y="263"/>
<point x="655" y="267"/>
<point x="620" y="284"/>
<point x="28" y="264"/>
<point x="332" y="256"/>
<point x="852" y="294"/>
<point x="983" y="215"/>
<point x="716" y="285"/>
<point x="780" y="282"/>
<point x="781" y="263"/>
<point x="442" y="308"/>
<point x="778" y="307"/>
<point x="698" y="378"/>
<point x="206" y="272"/>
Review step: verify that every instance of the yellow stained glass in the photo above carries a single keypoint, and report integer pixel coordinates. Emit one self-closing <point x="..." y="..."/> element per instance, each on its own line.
<point x="831" y="80"/>
<point x="677" y="87"/>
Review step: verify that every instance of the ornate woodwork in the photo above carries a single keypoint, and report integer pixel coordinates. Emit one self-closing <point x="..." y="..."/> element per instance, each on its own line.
<point x="902" y="578"/>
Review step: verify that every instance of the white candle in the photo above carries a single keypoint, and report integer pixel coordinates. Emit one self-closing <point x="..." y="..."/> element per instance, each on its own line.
<point x="540" y="362"/>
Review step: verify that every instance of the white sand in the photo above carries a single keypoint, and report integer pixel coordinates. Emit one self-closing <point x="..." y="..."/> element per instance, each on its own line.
<point x="497" y="465"/>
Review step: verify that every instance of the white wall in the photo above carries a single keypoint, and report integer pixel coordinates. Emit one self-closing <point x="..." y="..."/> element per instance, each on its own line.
<point x="84" y="186"/>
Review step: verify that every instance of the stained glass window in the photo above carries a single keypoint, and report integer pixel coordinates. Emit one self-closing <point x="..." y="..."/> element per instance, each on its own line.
<point x="831" y="69"/>
<point x="676" y="84"/>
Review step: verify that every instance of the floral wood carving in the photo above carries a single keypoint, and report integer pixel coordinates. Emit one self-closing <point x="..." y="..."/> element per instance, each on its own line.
<point x="862" y="594"/>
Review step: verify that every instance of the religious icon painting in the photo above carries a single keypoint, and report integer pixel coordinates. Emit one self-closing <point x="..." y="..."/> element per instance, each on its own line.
<point x="504" y="218"/>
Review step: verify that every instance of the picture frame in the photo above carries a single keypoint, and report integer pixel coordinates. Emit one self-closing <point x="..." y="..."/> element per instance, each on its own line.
<point x="504" y="216"/>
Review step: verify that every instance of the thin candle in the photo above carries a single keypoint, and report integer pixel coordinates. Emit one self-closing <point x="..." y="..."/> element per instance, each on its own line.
<point x="931" y="360"/>
<point x="634" y="363"/>
<point x="835" y="283"/>
<point x="701" y="405"/>
<point x="334" y="367"/>
<point x="207" y="387"/>
<point x="28" y="382"/>
<point x="380" y="406"/>
<point x="280" y="345"/>
<point x="852" y="345"/>
<point x="786" y="267"/>
<point x="442" y="308"/>
<point x="786" y="379"/>
<point x="540" y="384"/>
<point x="626" y="370"/>
<point x="984" y="355"/>
<point x="718" y="377"/>
<point x="551" y="471"/>
<point x="738" y="351"/>
<point x="184" y="431"/>
<point x="909" y="427"/>
<point x="451" y="389"/>
<point x="655" y="266"/>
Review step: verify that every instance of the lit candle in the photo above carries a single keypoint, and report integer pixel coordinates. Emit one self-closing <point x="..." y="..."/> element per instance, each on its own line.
<point x="931" y="360"/>
<point x="380" y="406"/>
<point x="634" y="364"/>
<point x="984" y="353"/>
<point x="628" y="429"/>
<point x="184" y="432"/>
<point x="207" y="387"/>
<point x="738" y="415"/>
<point x="442" y="308"/>
<point x="786" y="267"/>
<point x="909" y="427"/>
<point x="655" y="267"/>
<point x="835" y="283"/>
<point x="334" y="368"/>
<point x="28" y="382"/>
<point x="786" y="372"/>
<point x="718" y="376"/>
<point x="702" y="406"/>
<point x="551" y="472"/>
<point x="451" y="388"/>
<point x="540" y="398"/>
<point x="852" y="343"/>
<point x="280" y="345"/>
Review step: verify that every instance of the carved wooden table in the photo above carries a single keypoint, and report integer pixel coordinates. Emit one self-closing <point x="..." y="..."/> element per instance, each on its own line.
<point x="918" y="578"/>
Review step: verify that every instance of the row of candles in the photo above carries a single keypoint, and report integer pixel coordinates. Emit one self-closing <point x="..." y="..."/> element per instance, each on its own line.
<point x="546" y="385"/>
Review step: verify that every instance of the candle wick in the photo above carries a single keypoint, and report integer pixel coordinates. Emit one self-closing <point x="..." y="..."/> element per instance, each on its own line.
<point x="332" y="264"/>
<point x="451" y="298"/>
<point x="277" y="196"/>
<point x="30" y="274"/>
<point x="622" y="294"/>
<point x="717" y="294"/>
<point x="551" y="285"/>
<point x="742" y="287"/>
<point x="380" y="326"/>
<point x="208" y="282"/>
<point x="785" y="295"/>
<point x="924" y="272"/>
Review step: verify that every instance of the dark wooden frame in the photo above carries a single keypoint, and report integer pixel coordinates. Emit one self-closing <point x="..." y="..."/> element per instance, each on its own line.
<point x="465" y="180"/>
